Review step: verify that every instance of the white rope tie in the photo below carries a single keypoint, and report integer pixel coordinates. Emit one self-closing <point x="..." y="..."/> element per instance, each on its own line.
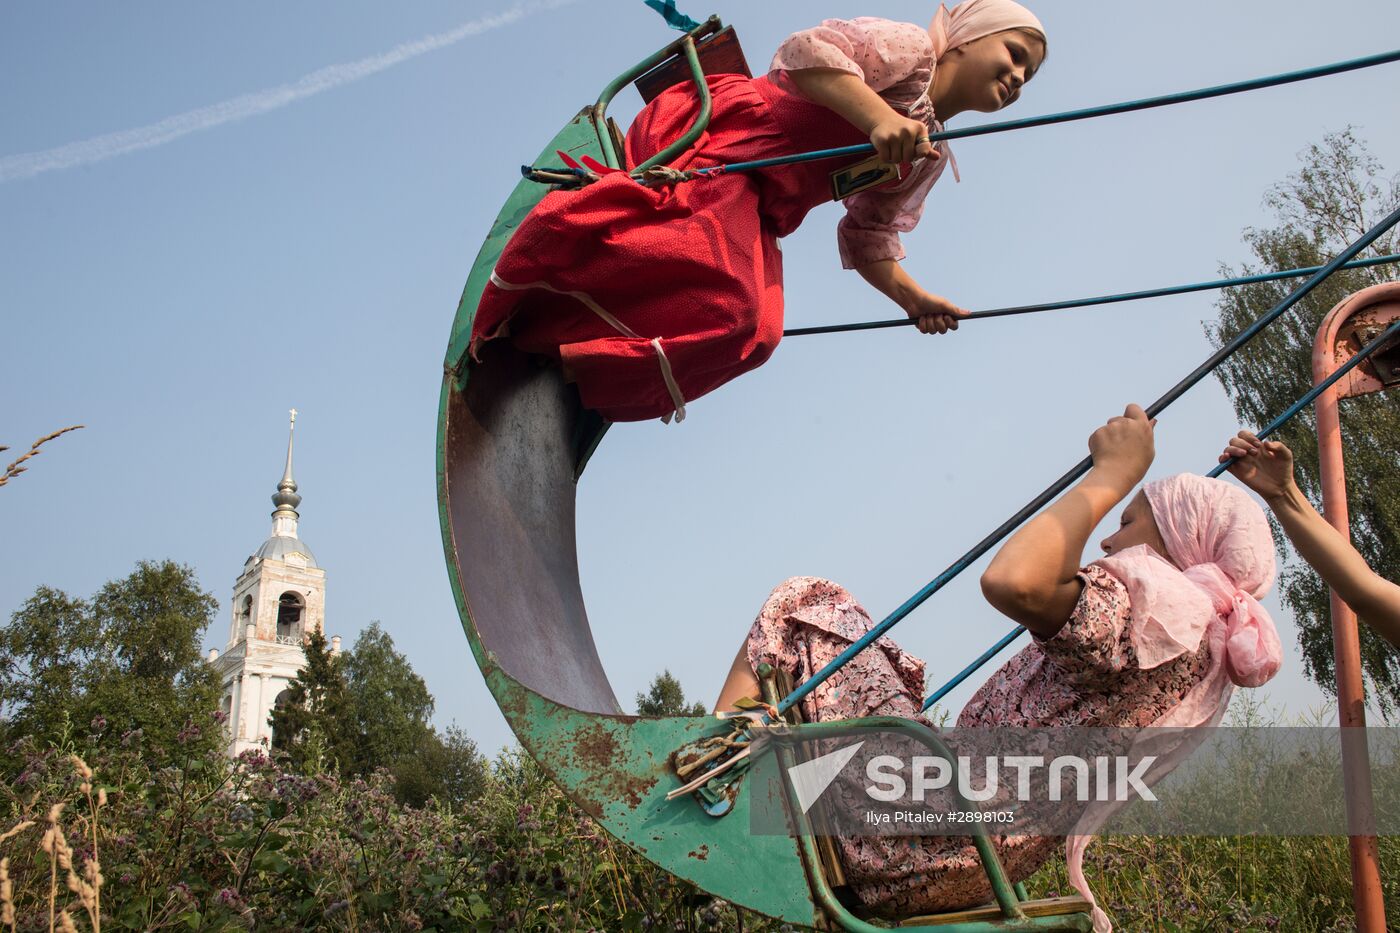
<point x="587" y="301"/>
<point x="671" y="386"/>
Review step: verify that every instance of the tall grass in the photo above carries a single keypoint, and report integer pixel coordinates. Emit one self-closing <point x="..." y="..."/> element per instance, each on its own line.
<point x="105" y="833"/>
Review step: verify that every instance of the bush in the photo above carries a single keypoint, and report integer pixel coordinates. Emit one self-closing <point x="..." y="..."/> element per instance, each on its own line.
<point x="106" y="825"/>
<point x="145" y="839"/>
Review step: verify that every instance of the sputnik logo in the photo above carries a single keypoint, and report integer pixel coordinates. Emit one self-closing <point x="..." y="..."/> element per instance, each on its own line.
<point x="811" y="778"/>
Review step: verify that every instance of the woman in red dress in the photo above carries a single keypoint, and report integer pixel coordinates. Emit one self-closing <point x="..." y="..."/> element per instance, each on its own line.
<point x="650" y="297"/>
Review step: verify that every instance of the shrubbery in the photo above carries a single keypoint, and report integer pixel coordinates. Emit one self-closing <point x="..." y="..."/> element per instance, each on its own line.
<point x="105" y="822"/>
<point x="187" y="839"/>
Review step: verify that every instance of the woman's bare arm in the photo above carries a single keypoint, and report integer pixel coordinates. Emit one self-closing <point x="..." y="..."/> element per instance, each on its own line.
<point x="1267" y="468"/>
<point x="1034" y="577"/>
<point x="897" y="139"/>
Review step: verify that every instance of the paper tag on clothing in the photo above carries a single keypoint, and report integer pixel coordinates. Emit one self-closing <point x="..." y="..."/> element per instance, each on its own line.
<point x="862" y="176"/>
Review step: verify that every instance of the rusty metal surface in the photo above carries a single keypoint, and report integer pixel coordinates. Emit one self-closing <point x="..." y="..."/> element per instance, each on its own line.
<point x="1345" y="323"/>
<point x="1351" y="325"/>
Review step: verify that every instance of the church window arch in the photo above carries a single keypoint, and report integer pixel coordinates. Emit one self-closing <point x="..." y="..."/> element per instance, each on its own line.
<point x="289" y="612"/>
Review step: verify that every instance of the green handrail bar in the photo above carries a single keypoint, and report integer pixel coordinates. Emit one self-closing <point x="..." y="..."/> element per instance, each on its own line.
<point x="702" y="121"/>
<point x="1008" y="896"/>
<point x="686" y="46"/>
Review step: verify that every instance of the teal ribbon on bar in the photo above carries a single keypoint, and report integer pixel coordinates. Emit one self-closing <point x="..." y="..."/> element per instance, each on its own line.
<point x="673" y="17"/>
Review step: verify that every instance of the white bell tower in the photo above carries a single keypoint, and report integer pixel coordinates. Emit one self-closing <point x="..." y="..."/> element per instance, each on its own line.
<point x="278" y="600"/>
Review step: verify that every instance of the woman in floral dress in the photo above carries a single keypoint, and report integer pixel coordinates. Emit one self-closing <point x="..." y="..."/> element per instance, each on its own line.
<point x="1156" y="633"/>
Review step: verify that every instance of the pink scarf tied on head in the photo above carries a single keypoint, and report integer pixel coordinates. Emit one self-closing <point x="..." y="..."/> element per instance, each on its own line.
<point x="1221" y="538"/>
<point x="973" y="19"/>
<point x="967" y="22"/>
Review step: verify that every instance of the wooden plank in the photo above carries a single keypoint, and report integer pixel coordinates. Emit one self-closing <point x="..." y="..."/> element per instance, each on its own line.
<point x="825" y="842"/>
<point x="720" y="54"/>
<point x="1047" y="907"/>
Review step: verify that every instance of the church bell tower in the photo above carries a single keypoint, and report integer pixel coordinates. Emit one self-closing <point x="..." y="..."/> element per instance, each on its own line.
<point x="278" y="600"/>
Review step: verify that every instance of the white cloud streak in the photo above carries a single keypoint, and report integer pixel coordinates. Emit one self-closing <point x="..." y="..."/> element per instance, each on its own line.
<point x="109" y="145"/>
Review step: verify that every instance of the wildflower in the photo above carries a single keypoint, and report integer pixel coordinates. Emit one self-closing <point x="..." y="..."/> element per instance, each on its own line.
<point x="132" y="737"/>
<point x="99" y="723"/>
<point x="337" y="907"/>
<point x="227" y="897"/>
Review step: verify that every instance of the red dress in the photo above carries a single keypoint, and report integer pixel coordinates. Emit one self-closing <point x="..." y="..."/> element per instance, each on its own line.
<point x="650" y="297"/>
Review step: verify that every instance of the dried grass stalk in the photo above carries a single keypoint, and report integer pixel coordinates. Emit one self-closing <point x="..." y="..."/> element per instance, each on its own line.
<point x="16" y="468"/>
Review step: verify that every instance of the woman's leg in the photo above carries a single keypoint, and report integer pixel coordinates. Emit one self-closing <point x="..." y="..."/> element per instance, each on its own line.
<point x="741" y="682"/>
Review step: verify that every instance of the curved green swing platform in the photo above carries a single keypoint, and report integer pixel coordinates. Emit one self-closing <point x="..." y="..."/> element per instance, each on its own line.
<point x="512" y="442"/>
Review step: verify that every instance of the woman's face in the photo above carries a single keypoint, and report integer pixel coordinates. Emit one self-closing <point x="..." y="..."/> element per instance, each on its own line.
<point x="1137" y="526"/>
<point x="992" y="70"/>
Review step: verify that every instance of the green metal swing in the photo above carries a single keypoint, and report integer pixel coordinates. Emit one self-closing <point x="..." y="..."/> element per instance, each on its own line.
<point x="512" y="442"/>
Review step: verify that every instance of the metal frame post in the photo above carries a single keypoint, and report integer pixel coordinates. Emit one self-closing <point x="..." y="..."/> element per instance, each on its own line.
<point x="1348" y="321"/>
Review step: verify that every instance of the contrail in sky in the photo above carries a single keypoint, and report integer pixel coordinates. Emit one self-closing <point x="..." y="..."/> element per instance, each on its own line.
<point x="98" y="148"/>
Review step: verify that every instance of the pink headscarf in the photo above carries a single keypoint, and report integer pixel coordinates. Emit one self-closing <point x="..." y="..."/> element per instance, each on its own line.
<point x="973" y="19"/>
<point x="1220" y="540"/>
<point x="969" y="21"/>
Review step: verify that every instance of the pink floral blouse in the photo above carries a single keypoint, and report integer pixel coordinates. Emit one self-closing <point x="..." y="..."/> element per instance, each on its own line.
<point x="1086" y="675"/>
<point x="895" y="60"/>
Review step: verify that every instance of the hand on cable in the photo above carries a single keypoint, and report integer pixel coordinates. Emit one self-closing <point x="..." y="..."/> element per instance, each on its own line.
<point x="1264" y="466"/>
<point x="933" y="314"/>
<point x="1124" y="446"/>
<point x="898" y="139"/>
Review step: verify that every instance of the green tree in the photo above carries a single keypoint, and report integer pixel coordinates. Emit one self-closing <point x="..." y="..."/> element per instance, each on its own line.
<point x="665" y="698"/>
<point x="367" y="709"/>
<point x="389" y="703"/>
<point x="448" y="767"/>
<point x="128" y="658"/>
<point x="314" y="726"/>
<point x="1338" y="193"/>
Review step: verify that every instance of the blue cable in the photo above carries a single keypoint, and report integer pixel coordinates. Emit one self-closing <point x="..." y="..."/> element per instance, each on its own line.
<point x="668" y="10"/>
<point x="1099" y="300"/>
<point x="1087" y="113"/>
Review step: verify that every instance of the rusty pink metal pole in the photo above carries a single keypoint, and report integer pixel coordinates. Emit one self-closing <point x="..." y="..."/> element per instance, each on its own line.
<point x="1355" y="319"/>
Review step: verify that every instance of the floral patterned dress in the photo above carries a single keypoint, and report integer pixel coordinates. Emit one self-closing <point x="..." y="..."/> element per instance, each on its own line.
<point x="1086" y="675"/>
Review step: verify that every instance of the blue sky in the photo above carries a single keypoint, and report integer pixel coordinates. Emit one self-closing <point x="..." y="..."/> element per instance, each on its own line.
<point x="178" y="299"/>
